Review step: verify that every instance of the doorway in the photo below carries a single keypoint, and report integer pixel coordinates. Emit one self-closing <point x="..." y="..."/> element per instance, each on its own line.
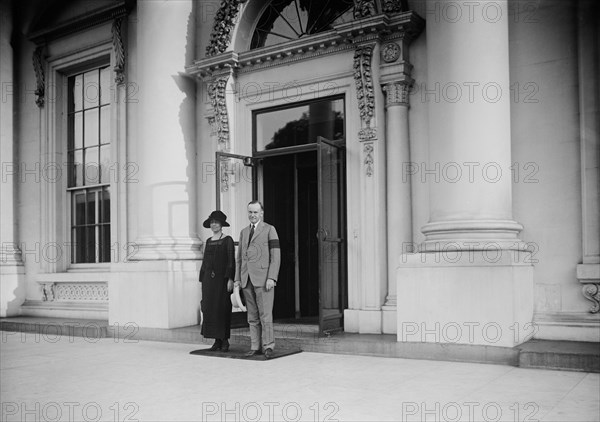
<point x="300" y="154"/>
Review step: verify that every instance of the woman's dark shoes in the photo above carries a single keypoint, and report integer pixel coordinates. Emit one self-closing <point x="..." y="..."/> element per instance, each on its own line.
<point x="218" y="345"/>
<point x="225" y="345"/>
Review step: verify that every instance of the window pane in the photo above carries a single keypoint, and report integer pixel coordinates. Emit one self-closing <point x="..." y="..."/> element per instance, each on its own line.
<point x="78" y="168"/>
<point x="91" y="89"/>
<point x="90" y="211"/>
<point x="105" y="88"/>
<point x="77" y="92"/>
<point x="78" y="249"/>
<point x="300" y="125"/>
<point x="105" y="125"/>
<point x="79" y="209"/>
<point x="90" y="244"/>
<point x="105" y="207"/>
<point x="105" y="243"/>
<point x="91" y="127"/>
<point x="92" y="175"/>
<point x="105" y="164"/>
<point x="77" y="141"/>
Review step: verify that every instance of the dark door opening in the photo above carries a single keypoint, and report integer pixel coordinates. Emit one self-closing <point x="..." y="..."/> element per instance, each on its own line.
<point x="290" y="196"/>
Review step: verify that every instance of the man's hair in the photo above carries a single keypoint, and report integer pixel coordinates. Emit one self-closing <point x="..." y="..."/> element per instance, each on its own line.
<point x="257" y="202"/>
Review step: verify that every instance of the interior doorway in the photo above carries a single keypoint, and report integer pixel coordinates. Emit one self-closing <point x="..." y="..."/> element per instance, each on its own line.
<point x="290" y="197"/>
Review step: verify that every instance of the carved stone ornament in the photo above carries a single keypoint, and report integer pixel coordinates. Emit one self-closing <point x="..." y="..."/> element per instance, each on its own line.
<point x="368" y="134"/>
<point x="369" y="161"/>
<point x="38" y="67"/>
<point x="216" y="92"/>
<point x="392" y="6"/>
<point x="364" y="83"/>
<point x="390" y="52"/>
<point x="364" y="8"/>
<point x="591" y="291"/>
<point x="222" y="26"/>
<point x="119" y="50"/>
<point x="396" y="93"/>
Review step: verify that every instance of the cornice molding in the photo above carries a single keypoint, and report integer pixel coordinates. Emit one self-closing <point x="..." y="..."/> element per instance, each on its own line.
<point x="403" y="26"/>
<point x="97" y="17"/>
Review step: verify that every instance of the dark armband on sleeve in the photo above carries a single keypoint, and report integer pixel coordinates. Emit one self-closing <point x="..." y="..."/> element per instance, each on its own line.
<point x="274" y="244"/>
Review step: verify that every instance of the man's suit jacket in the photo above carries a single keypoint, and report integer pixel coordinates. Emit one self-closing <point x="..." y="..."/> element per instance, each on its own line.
<point x="260" y="259"/>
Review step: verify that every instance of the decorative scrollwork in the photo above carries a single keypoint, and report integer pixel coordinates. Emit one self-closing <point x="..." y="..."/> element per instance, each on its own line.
<point x="364" y="8"/>
<point x="393" y="6"/>
<point x="38" y="67"/>
<point x="48" y="291"/>
<point x="81" y="291"/>
<point x="591" y="291"/>
<point x="216" y="93"/>
<point x="369" y="161"/>
<point x="119" y="51"/>
<point x="222" y="26"/>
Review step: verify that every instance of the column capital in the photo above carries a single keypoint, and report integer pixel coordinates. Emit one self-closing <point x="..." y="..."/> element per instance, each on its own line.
<point x="396" y="93"/>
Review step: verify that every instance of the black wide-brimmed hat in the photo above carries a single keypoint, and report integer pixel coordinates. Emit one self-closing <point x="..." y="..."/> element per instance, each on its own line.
<point x="216" y="215"/>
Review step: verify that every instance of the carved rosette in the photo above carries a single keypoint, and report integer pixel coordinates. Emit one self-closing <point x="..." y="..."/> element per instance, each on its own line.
<point x="390" y="52"/>
<point x="591" y="291"/>
<point x="396" y="93"/>
<point x="38" y="67"/>
<point x="216" y="93"/>
<point x="364" y="8"/>
<point x="119" y="50"/>
<point x="222" y="27"/>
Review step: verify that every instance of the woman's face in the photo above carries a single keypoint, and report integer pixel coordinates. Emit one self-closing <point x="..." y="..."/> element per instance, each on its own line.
<point x="215" y="226"/>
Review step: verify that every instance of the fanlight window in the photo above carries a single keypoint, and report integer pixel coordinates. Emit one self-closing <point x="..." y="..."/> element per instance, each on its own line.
<point x="286" y="20"/>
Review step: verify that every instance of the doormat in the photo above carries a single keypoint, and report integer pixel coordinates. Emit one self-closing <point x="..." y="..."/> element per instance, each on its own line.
<point x="238" y="351"/>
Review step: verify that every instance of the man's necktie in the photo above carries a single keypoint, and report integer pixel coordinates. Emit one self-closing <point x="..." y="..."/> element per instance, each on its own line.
<point x="251" y="233"/>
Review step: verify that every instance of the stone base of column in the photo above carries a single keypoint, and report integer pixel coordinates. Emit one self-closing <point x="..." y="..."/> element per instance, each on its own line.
<point x="12" y="289"/>
<point x="160" y="294"/>
<point x="573" y="326"/>
<point x="389" y="319"/>
<point x="472" y="235"/>
<point x="362" y="321"/>
<point x="465" y="298"/>
<point x="165" y="248"/>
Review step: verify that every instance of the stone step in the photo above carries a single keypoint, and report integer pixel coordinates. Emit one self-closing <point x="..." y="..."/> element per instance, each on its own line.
<point x="567" y="355"/>
<point x="564" y="355"/>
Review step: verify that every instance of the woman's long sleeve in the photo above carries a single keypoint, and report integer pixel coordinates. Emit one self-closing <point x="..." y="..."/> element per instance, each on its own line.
<point x="230" y="250"/>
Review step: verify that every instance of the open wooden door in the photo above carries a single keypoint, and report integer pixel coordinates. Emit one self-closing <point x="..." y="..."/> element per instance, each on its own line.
<point x="331" y="234"/>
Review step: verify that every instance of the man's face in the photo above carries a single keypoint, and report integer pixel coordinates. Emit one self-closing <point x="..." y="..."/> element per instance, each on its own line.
<point x="255" y="214"/>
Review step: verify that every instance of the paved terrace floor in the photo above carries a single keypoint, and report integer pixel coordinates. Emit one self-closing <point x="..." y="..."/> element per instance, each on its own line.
<point x="73" y="379"/>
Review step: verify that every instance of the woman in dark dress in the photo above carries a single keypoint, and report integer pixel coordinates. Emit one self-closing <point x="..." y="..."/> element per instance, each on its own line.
<point x="216" y="274"/>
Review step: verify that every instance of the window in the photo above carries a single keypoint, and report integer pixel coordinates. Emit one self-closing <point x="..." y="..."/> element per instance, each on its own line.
<point x="89" y="165"/>
<point x="299" y="124"/>
<point x="285" y="20"/>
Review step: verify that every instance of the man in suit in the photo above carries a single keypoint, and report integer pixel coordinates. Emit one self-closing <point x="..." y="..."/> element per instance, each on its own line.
<point x="257" y="268"/>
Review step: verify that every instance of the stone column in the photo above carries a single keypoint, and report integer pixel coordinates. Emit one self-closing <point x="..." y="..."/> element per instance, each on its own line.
<point x="469" y="128"/>
<point x="161" y="289"/>
<point x="11" y="264"/>
<point x="399" y="209"/>
<point x="166" y="218"/>
<point x="471" y="284"/>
